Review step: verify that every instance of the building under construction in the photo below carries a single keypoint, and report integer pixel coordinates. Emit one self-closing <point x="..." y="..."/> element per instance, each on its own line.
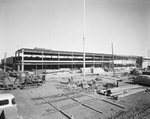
<point x="40" y="58"/>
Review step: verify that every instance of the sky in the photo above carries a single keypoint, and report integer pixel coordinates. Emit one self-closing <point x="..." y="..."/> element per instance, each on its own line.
<point x="58" y="25"/>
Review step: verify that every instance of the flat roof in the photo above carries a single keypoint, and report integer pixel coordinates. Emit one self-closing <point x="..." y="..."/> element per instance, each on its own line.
<point x="47" y="51"/>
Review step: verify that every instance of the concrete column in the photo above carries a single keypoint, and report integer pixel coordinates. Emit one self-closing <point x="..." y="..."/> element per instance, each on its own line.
<point x="18" y="67"/>
<point x="42" y="59"/>
<point x="15" y="61"/>
<point x="22" y="63"/>
<point x="72" y="60"/>
<point x="36" y="70"/>
<point x="102" y="61"/>
<point x="148" y="57"/>
<point x="93" y="60"/>
<point x="18" y="61"/>
<point x="110" y="64"/>
<point x="113" y="59"/>
<point x="122" y="61"/>
<point x="134" y="62"/>
<point x="5" y="62"/>
<point x="58" y="59"/>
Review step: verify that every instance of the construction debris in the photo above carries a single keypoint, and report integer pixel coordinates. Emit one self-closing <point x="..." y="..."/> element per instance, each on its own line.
<point x="105" y="85"/>
<point x="5" y="82"/>
<point x="136" y="71"/>
<point x="21" y="80"/>
<point x="26" y="80"/>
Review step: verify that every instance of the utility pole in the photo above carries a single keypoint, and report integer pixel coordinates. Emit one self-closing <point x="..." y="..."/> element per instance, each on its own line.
<point x="22" y="67"/>
<point x="113" y="59"/>
<point x="5" y="62"/>
<point x="148" y="58"/>
<point x="83" y="40"/>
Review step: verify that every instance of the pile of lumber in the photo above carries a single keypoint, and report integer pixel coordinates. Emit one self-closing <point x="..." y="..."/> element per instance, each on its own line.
<point x="126" y="90"/>
<point x="54" y="71"/>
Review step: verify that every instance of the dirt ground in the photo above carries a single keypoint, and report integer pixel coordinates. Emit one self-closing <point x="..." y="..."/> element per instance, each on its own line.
<point x="137" y="105"/>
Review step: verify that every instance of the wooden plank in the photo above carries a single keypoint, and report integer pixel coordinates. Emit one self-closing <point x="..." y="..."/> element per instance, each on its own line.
<point x="62" y="108"/>
<point x="66" y="115"/>
<point x="122" y="92"/>
<point x="133" y="92"/>
<point x="84" y="104"/>
<point x="69" y="106"/>
<point x="53" y="96"/>
<point x="118" y="93"/>
<point x="108" y="77"/>
<point x="125" y="88"/>
<point x="118" y="105"/>
<point x="62" y="98"/>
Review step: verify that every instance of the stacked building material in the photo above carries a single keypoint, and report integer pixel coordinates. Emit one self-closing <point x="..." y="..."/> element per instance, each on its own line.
<point x="93" y="70"/>
<point x="126" y="90"/>
<point x="87" y="70"/>
<point x="54" y="71"/>
<point x="97" y="70"/>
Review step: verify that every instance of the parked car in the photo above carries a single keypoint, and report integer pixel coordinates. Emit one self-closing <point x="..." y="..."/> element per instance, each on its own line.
<point x="8" y="107"/>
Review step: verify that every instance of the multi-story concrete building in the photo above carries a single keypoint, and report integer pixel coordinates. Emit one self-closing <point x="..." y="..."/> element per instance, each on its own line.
<point x="38" y="58"/>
